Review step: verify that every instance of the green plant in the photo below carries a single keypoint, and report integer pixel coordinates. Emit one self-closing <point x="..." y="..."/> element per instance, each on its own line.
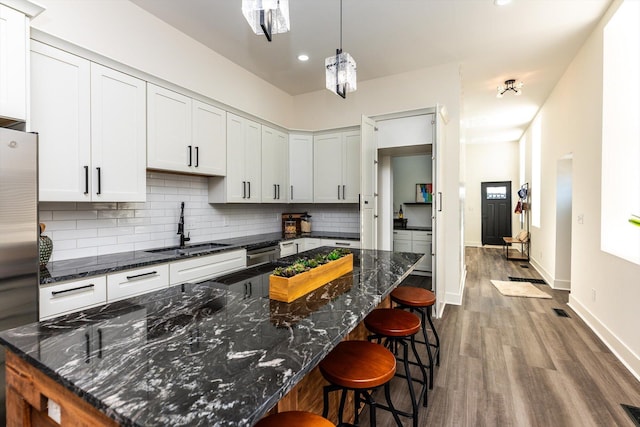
<point x="305" y="264"/>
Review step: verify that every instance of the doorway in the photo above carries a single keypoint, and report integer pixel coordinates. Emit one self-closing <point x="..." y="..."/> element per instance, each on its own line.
<point x="564" y="201"/>
<point x="496" y="212"/>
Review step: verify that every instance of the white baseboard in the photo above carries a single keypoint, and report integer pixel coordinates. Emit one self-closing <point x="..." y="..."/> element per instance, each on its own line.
<point x="561" y="285"/>
<point x="544" y="273"/>
<point x="628" y="358"/>
<point x="455" y="298"/>
<point x="473" y="244"/>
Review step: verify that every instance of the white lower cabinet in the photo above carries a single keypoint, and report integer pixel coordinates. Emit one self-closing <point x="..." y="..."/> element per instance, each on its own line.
<point x="353" y="244"/>
<point x="290" y="247"/>
<point x="415" y="241"/>
<point x="136" y="282"/>
<point x="310" y="243"/>
<point x="68" y="297"/>
<point x="205" y="267"/>
<point x="253" y="288"/>
<point x="402" y="240"/>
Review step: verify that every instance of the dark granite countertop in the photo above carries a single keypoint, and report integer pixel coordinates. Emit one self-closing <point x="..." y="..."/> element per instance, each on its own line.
<point x="73" y="269"/>
<point x="413" y="228"/>
<point x="204" y="354"/>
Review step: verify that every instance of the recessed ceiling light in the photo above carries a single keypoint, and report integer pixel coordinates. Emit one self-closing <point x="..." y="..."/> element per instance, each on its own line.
<point x="501" y="2"/>
<point x="303" y="57"/>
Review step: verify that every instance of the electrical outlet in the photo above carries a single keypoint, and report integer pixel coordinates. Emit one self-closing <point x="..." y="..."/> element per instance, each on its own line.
<point x="53" y="410"/>
<point x="581" y="219"/>
<point x="593" y="295"/>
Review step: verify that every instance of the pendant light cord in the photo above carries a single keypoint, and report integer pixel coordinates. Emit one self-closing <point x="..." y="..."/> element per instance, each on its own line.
<point x="340" y="25"/>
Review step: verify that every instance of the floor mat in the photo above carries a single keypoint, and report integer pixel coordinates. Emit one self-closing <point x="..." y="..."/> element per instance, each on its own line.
<point x="519" y="289"/>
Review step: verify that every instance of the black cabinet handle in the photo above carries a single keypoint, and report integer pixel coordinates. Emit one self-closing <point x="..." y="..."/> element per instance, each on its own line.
<point x="99" y="183"/>
<point x="87" y="358"/>
<point x="338" y="192"/>
<point x="54" y="293"/>
<point x="244" y="189"/>
<point x="249" y="185"/>
<point x="197" y="156"/>
<point x="99" y="343"/>
<point x="190" y="155"/>
<point x="86" y="180"/>
<point x="278" y="191"/>
<point x="292" y="192"/>
<point x="135" y="276"/>
<point x="344" y="191"/>
<point x="275" y="192"/>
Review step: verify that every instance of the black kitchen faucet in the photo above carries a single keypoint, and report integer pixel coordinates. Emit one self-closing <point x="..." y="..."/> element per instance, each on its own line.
<point x="181" y="227"/>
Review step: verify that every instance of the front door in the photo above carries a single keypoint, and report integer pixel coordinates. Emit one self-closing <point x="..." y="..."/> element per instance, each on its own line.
<point x="496" y="212"/>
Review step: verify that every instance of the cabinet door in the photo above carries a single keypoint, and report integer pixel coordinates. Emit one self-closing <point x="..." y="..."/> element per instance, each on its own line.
<point x="288" y="248"/>
<point x="422" y="247"/>
<point x="327" y="168"/>
<point x="13" y="64"/>
<point x="236" y="183"/>
<point x="68" y="297"/>
<point x="351" y="167"/>
<point x="137" y="282"/>
<point x="253" y="161"/>
<point x="300" y="168"/>
<point x="274" y="166"/>
<point x="402" y="245"/>
<point x="118" y="136"/>
<point x="209" y="139"/>
<point x="169" y="144"/>
<point x="60" y="113"/>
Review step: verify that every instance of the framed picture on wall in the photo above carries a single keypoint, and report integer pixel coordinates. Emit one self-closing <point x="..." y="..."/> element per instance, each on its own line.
<point x="424" y="193"/>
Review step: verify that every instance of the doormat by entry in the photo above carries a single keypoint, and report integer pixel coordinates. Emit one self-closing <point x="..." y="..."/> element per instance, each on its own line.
<point x="519" y="289"/>
<point x="527" y="279"/>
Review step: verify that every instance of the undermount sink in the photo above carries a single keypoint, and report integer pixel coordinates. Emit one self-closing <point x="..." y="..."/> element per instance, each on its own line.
<point x="187" y="250"/>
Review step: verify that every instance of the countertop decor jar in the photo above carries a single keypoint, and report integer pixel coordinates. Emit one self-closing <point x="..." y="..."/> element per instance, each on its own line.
<point x="45" y="247"/>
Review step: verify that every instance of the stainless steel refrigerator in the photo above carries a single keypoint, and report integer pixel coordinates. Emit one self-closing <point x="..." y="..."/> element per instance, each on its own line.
<point x="19" y="236"/>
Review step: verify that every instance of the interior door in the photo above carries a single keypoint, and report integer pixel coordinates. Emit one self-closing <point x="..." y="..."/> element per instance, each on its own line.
<point x="368" y="185"/>
<point x="496" y="212"/>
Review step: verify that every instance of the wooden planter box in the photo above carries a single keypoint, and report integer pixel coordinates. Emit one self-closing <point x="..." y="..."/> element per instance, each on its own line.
<point x="288" y="289"/>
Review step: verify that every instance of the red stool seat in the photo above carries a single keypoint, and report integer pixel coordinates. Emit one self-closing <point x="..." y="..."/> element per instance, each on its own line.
<point x="391" y="322"/>
<point x="358" y="365"/>
<point x="413" y="297"/>
<point x="294" y="419"/>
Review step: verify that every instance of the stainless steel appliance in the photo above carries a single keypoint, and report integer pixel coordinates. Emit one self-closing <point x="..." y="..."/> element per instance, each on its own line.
<point x="262" y="254"/>
<point x="19" y="236"/>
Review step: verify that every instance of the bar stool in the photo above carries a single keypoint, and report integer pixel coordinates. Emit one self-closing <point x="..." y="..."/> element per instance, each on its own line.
<point x="294" y="419"/>
<point x="359" y="366"/>
<point x="394" y="327"/>
<point x="420" y="300"/>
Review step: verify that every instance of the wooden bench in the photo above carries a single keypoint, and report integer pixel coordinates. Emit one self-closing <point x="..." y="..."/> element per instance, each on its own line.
<point x="523" y="238"/>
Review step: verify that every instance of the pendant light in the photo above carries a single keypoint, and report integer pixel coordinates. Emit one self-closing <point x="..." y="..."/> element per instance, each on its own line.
<point x="340" y="69"/>
<point x="267" y="16"/>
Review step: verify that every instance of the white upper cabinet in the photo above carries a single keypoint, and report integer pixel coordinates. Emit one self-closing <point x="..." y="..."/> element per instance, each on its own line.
<point x="242" y="183"/>
<point x="118" y="136"/>
<point x="336" y="167"/>
<point x="300" y="168"/>
<point x="185" y="135"/>
<point x="274" y="165"/>
<point x="13" y="64"/>
<point x="91" y="125"/>
<point x="60" y="113"/>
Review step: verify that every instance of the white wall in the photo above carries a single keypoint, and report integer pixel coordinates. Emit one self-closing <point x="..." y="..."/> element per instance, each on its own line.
<point x="497" y="161"/>
<point x="407" y="172"/>
<point x="89" y="229"/>
<point x="122" y="31"/>
<point x="572" y="123"/>
<point x="564" y="202"/>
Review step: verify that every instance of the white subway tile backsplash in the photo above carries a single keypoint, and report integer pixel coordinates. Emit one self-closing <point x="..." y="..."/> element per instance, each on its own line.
<point x="88" y="229"/>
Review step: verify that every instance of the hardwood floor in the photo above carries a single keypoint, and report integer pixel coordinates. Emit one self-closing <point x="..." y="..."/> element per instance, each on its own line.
<point x="509" y="361"/>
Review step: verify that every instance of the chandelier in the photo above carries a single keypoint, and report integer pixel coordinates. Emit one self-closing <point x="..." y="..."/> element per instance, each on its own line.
<point x="510" y="84"/>
<point x="267" y="16"/>
<point x="340" y="69"/>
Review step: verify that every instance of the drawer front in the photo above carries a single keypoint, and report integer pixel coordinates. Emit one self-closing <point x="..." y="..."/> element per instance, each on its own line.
<point x="422" y="236"/>
<point x="288" y="248"/>
<point x="202" y="268"/>
<point x="402" y="245"/>
<point x="354" y="244"/>
<point x="402" y="235"/>
<point x="72" y="296"/>
<point x="136" y="282"/>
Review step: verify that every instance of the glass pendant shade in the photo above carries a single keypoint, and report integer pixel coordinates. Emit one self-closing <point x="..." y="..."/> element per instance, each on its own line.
<point x="267" y="17"/>
<point x="340" y="73"/>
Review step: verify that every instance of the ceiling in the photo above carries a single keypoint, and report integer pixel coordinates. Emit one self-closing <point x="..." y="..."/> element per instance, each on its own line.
<point x="529" y="40"/>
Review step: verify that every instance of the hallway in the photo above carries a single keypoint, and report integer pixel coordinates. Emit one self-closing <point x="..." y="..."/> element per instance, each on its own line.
<point x="510" y="361"/>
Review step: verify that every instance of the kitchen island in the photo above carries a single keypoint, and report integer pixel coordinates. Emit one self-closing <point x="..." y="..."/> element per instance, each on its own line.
<point x="195" y="354"/>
